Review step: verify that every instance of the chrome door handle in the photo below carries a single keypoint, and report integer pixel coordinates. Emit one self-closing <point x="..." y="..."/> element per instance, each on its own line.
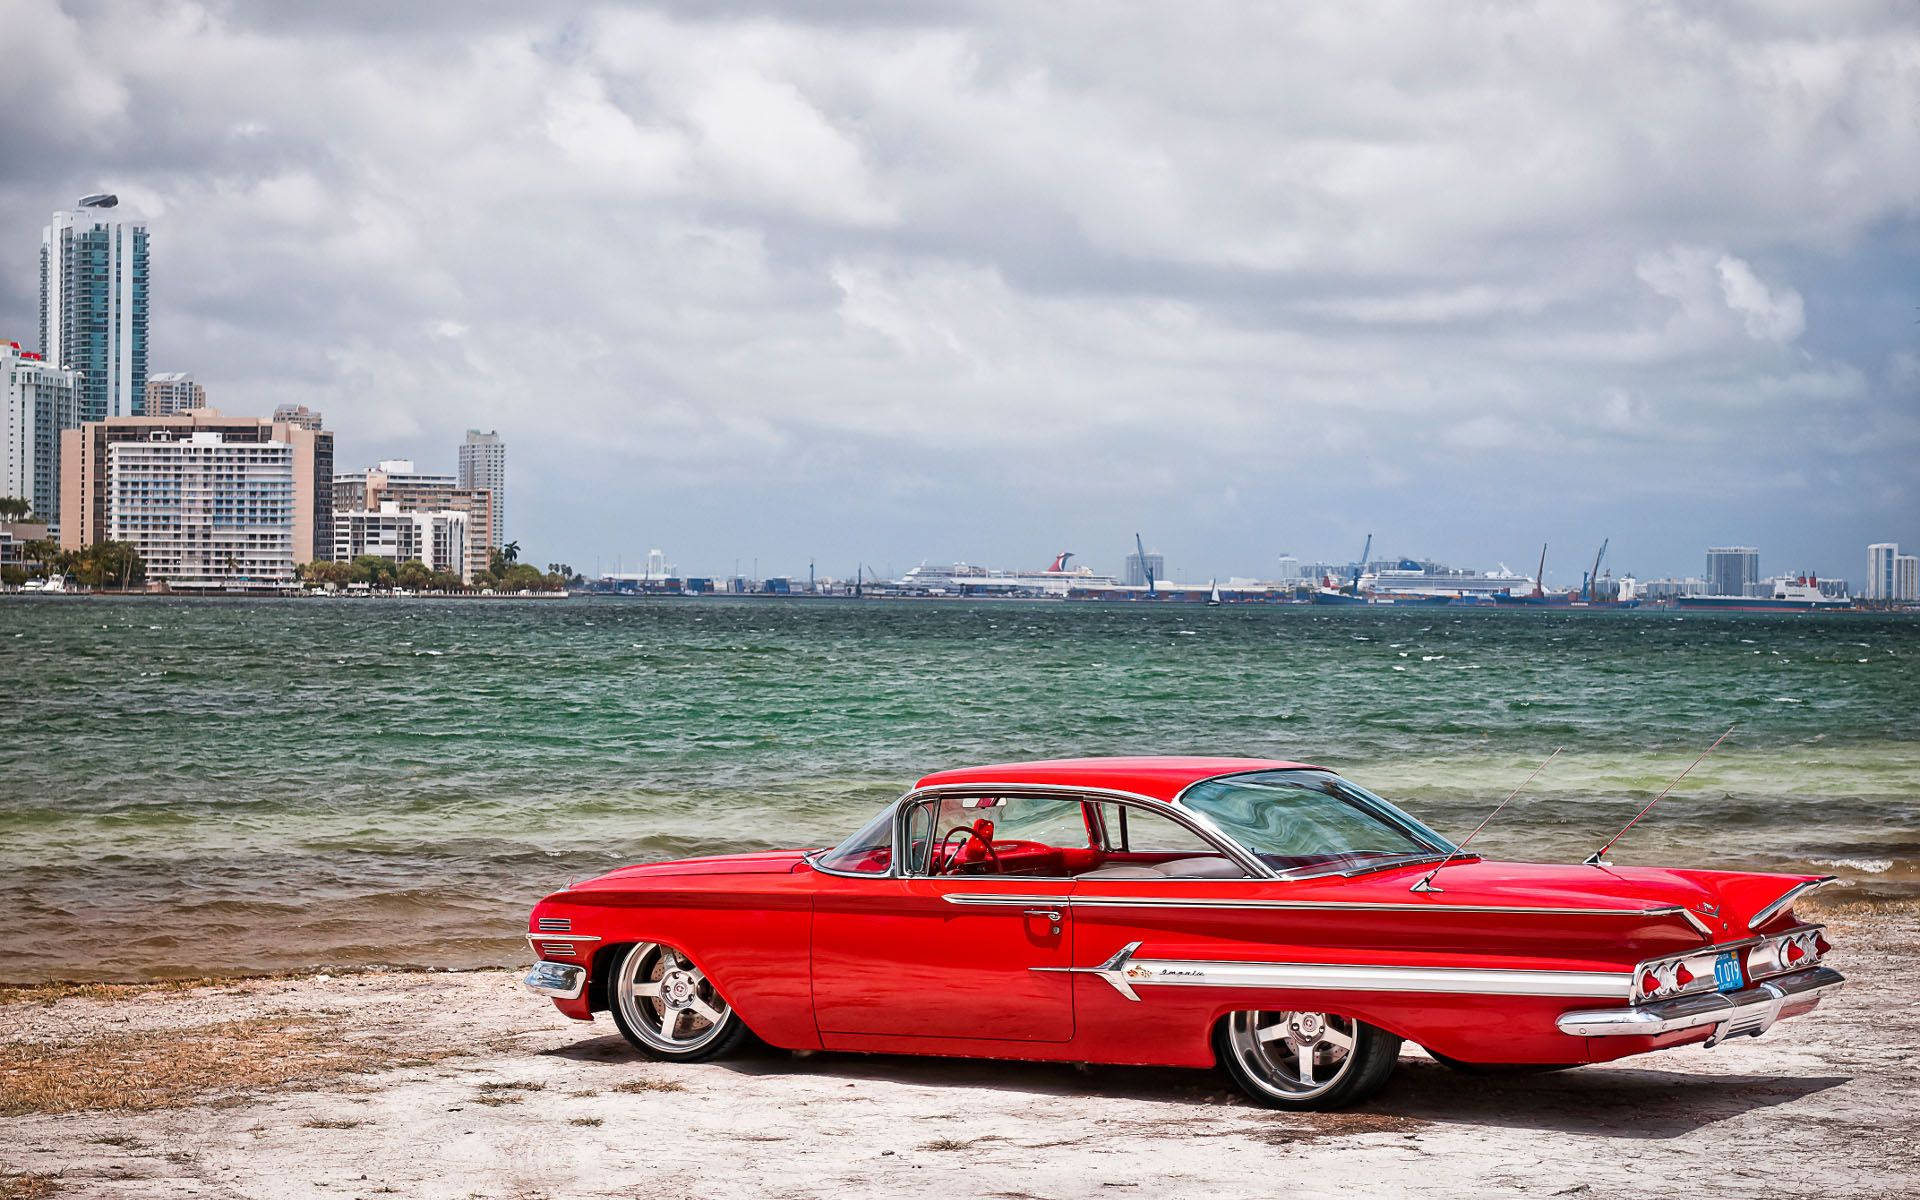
<point x="1051" y="914"/>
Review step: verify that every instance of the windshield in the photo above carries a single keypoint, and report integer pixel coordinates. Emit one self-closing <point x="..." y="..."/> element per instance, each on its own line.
<point x="1295" y="820"/>
<point x="868" y="852"/>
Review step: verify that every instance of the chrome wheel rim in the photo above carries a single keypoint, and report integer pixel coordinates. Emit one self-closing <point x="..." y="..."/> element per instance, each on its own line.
<point x="668" y="1002"/>
<point x="1294" y="1055"/>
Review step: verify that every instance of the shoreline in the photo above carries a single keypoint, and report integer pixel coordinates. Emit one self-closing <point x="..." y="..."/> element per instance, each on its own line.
<point x="452" y="1084"/>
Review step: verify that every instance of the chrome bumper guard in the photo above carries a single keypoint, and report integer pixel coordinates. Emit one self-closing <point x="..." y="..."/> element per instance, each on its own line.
<point x="1749" y="1012"/>
<point x="561" y="981"/>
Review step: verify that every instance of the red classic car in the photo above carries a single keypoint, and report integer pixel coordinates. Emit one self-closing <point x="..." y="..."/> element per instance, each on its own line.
<point x="1271" y="917"/>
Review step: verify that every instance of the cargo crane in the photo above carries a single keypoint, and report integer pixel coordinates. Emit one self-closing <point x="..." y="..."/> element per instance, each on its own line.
<point x="1141" y="548"/>
<point x="1591" y="588"/>
<point x="1360" y="568"/>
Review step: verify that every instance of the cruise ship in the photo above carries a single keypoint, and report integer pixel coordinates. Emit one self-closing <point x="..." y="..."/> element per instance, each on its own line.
<point x="965" y="579"/>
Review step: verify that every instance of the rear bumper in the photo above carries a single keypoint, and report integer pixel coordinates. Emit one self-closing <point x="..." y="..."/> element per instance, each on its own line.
<point x="558" y="981"/>
<point x="1749" y="1012"/>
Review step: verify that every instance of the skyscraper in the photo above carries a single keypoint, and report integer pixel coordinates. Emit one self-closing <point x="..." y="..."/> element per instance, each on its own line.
<point x="173" y="391"/>
<point x="93" y="305"/>
<point x="483" y="464"/>
<point x="1892" y="575"/>
<point x="1136" y="570"/>
<point x="1730" y="569"/>
<point x="37" y="401"/>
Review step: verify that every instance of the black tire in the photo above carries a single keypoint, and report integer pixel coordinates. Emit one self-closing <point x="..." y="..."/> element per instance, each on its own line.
<point x="1364" y="1071"/>
<point x="651" y="1024"/>
<point x="1477" y="1068"/>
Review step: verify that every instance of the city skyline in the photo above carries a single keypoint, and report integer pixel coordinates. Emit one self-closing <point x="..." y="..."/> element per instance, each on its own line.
<point x="862" y="287"/>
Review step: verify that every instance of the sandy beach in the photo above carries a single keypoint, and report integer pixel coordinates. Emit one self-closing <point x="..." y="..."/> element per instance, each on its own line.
<point x="437" y="1084"/>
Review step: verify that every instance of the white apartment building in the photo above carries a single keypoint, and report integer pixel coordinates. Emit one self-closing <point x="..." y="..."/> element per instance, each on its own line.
<point x="37" y="401"/>
<point x="483" y="464"/>
<point x="204" y="513"/>
<point x="1892" y="575"/>
<point x="437" y="539"/>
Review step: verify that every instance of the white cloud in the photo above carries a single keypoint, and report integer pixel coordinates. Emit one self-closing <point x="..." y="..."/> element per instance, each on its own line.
<point x="1769" y="316"/>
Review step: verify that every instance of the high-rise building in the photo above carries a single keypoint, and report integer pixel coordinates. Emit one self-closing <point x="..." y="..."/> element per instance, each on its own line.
<point x="1289" y="569"/>
<point x="173" y="391"/>
<point x="437" y="539"/>
<point x="1730" y="569"/>
<point x="395" y="481"/>
<point x="1892" y="575"/>
<point x="93" y="304"/>
<point x="299" y="414"/>
<point x="483" y="464"/>
<point x="88" y="493"/>
<point x="1135" y="572"/>
<point x="205" y="513"/>
<point x="37" y="401"/>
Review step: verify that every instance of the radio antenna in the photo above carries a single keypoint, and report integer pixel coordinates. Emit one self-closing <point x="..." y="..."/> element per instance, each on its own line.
<point x="1425" y="882"/>
<point x="1599" y="857"/>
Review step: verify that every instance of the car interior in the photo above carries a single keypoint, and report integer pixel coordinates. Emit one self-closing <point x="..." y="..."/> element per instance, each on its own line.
<point x="1057" y="837"/>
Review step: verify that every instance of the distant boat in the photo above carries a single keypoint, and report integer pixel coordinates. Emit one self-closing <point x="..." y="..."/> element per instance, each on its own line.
<point x="1213" y="593"/>
<point x="1801" y="595"/>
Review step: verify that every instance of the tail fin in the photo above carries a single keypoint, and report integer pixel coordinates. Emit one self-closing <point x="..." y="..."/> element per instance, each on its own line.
<point x="1060" y="562"/>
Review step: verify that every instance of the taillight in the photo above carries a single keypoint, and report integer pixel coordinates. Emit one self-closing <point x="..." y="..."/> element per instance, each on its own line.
<point x="1682" y="976"/>
<point x="1649" y="983"/>
<point x="1820" y="944"/>
<point x="1795" y="952"/>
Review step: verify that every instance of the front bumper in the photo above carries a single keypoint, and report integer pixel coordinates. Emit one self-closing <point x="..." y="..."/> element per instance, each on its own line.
<point x="1749" y="1012"/>
<point x="559" y="981"/>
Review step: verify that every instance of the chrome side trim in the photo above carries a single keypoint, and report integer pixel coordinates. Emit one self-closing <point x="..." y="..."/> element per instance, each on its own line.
<point x="1700" y="927"/>
<point x="561" y="981"/>
<point x="1355" y="905"/>
<point x="1125" y="973"/>
<point x="534" y="939"/>
<point x="1749" y="1012"/>
<point x="1793" y="893"/>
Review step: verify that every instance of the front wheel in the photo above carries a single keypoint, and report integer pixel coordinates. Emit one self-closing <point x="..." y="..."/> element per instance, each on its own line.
<point x="1306" y="1061"/>
<point x="668" y="1008"/>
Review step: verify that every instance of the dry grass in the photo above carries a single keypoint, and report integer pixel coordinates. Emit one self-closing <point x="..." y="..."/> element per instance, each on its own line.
<point x="946" y="1143"/>
<point x="331" y="1123"/>
<point x="513" y="1087"/>
<point x="130" y="1072"/>
<point x="587" y="1122"/>
<point x="637" y="1086"/>
<point x="26" y="1187"/>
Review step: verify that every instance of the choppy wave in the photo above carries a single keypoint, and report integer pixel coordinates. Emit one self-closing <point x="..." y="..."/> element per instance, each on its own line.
<point x="280" y="784"/>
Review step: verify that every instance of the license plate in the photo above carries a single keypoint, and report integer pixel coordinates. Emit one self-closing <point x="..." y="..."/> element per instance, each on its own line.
<point x="1726" y="972"/>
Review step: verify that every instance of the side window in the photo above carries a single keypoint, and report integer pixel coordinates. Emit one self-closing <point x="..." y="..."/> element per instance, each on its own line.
<point x="1131" y="829"/>
<point x="1004" y="835"/>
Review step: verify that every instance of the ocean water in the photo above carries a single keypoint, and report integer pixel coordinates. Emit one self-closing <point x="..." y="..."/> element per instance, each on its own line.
<point x="193" y="787"/>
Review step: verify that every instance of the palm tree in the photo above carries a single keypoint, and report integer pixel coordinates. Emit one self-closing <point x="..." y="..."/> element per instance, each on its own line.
<point x="511" y="552"/>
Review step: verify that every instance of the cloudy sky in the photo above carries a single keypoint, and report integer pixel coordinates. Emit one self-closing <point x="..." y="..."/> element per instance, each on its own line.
<point x="870" y="281"/>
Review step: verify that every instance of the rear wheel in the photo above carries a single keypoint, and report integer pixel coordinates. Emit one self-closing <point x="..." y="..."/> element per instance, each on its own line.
<point x="668" y="1008"/>
<point x="1305" y="1060"/>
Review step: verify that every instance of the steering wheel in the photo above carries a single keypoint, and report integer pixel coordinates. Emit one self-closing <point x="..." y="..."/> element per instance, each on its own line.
<point x="986" y="843"/>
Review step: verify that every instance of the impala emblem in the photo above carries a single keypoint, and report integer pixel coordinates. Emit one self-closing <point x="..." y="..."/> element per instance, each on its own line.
<point x="1710" y="910"/>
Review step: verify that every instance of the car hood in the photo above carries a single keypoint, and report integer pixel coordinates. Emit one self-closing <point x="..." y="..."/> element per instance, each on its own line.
<point x="762" y="862"/>
<point x="1724" y="901"/>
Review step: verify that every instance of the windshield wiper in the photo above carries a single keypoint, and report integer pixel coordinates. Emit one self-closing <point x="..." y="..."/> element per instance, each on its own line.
<point x="1407" y="860"/>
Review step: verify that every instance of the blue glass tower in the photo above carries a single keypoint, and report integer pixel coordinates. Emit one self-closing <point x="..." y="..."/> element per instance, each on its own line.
<point x="93" y="305"/>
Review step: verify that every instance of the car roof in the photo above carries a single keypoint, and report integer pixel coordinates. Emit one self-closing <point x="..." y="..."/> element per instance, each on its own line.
<point x="1157" y="777"/>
